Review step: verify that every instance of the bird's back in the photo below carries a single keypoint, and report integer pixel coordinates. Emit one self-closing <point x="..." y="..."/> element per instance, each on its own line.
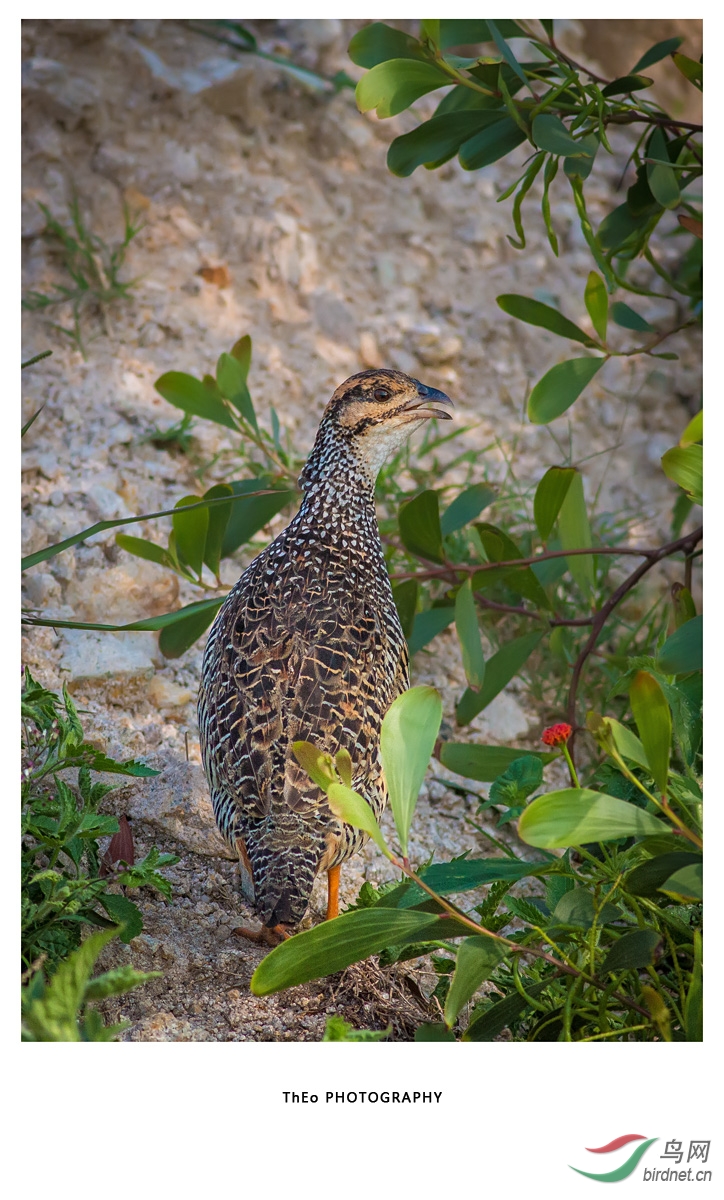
<point x="307" y="646"/>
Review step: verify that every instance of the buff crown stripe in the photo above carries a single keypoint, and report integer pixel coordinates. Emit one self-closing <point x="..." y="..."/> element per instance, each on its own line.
<point x="616" y="1143"/>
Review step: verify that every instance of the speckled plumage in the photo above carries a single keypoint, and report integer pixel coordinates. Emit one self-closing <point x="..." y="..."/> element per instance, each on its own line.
<point x="308" y="646"/>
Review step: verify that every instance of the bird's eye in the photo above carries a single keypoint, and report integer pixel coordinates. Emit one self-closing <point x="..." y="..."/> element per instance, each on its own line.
<point x="381" y="393"/>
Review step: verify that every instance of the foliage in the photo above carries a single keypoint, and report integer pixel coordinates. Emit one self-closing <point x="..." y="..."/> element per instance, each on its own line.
<point x="567" y="115"/>
<point x="611" y="948"/>
<point x="58" y="1010"/>
<point x="64" y="881"/>
<point x="94" y="268"/>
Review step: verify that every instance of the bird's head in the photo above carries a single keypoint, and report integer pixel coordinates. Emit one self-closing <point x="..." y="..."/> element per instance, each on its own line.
<point x="372" y="414"/>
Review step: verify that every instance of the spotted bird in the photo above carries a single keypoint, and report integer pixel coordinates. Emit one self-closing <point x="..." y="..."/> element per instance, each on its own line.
<point x="308" y="646"/>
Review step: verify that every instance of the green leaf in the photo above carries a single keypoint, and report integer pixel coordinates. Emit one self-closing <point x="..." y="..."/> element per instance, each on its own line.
<point x="656" y="53"/>
<point x="461" y="875"/>
<point x="145" y="549"/>
<point x="477" y="958"/>
<point x="316" y="763"/>
<point x="492" y="143"/>
<point x="54" y="1016"/>
<point x="686" y="884"/>
<point x="596" y="298"/>
<point x="436" y="140"/>
<point x="694" y="431"/>
<point x="124" y="913"/>
<point x="575" y="534"/>
<point x="499" y="670"/>
<point x="518" y="781"/>
<point x="336" y="944"/>
<point x="231" y="381"/>
<point x="405" y="598"/>
<point x="218" y="519"/>
<point x="683" y="651"/>
<point x="117" y="981"/>
<point x="661" y="179"/>
<point x="578" y="907"/>
<point x="653" y="721"/>
<point x="468" y="631"/>
<point x="252" y="513"/>
<point x="434" y="1033"/>
<point x="339" y="1030"/>
<point x="349" y="806"/>
<point x="574" y="816"/>
<point x="693" y="1005"/>
<point x="501" y="548"/>
<point x="620" y="225"/>
<point x="420" y="531"/>
<point x="377" y="43"/>
<point x="579" y="165"/>
<point x="627" y="84"/>
<point x="690" y="69"/>
<point x="499" y="1016"/>
<point x="533" y="312"/>
<point x="393" y="86"/>
<point x="627" y="318"/>
<point x="627" y="744"/>
<point x="471" y="33"/>
<point x="549" y="496"/>
<point x="192" y="396"/>
<point x="560" y="387"/>
<point x="427" y="625"/>
<point x="506" y="51"/>
<point x="647" y="877"/>
<point x="685" y="466"/>
<point x="466" y="506"/>
<point x="484" y="763"/>
<point x="190" y="529"/>
<point x="241" y="351"/>
<point x="632" y="952"/>
<point x="187" y="626"/>
<point x="683" y="607"/>
<point x="549" y="133"/>
<point x="407" y="739"/>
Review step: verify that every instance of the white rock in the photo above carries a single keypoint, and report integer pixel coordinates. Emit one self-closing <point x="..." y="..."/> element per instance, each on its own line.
<point x="41" y="589"/>
<point x="105" y="505"/>
<point x="183" y="163"/>
<point x="502" y="721"/>
<point x="165" y="693"/>
<point x="177" y="801"/>
<point x="128" y="592"/>
<point x="117" y="664"/>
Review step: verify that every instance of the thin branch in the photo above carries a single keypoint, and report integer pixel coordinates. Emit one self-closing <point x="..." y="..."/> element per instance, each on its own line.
<point x="600" y="617"/>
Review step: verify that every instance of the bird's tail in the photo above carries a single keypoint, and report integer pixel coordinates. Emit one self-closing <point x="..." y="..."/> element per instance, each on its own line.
<point x="283" y="881"/>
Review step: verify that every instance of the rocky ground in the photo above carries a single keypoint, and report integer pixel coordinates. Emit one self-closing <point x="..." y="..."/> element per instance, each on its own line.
<point x="268" y="209"/>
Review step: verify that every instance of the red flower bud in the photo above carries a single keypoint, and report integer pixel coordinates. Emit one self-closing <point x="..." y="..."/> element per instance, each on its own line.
<point x="556" y="735"/>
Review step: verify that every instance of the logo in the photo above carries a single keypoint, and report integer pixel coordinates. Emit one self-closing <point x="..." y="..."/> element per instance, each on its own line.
<point x="628" y="1166"/>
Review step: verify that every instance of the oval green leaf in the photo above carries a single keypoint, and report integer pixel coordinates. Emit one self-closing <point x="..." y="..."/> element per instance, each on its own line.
<point x="484" y="763"/>
<point x="466" y="507"/>
<point x="653" y="721"/>
<point x="661" y="179"/>
<point x="405" y="598"/>
<point x="190" y="529"/>
<point x="219" y="515"/>
<point x="427" y="625"/>
<point x="685" y="466"/>
<point x="574" y="816"/>
<point x="352" y="808"/>
<point x="632" y="952"/>
<point x="549" y="133"/>
<point x="684" y="650"/>
<point x="647" y="877"/>
<point x="468" y="631"/>
<point x="626" y="318"/>
<point x="549" y="496"/>
<point x="407" y="739"/>
<point x="186" y="627"/>
<point x="490" y="144"/>
<point x="560" y="387"/>
<point x="575" y="534"/>
<point x="533" y="312"/>
<point x="477" y="958"/>
<point x="193" y="396"/>
<point x="436" y="140"/>
<point x="250" y="515"/>
<point x="419" y="521"/>
<point x="499" y="670"/>
<point x="596" y="298"/>
<point x="336" y="944"/>
<point x="394" y="85"/>
<point x="685" y="885"/>
<point x="377" y="43"/>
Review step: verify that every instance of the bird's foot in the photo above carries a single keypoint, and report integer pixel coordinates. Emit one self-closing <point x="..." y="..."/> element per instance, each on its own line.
<point x="271" y="936"/>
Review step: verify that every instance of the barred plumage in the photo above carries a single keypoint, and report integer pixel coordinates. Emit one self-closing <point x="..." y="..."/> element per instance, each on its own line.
<point x="308" y="646"/>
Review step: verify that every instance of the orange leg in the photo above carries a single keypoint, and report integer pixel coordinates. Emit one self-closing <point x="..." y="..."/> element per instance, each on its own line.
<point x="272" y="936"/>
<point x="333" y="892"/>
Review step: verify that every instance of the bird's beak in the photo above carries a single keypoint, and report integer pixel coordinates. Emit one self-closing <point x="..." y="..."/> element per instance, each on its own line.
<point x="430" y="402"/>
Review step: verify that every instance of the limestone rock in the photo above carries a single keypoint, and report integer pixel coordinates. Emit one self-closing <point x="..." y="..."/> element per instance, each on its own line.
<point x="128" y="592"/>
<point x="164" y="693"/>
<point x="177" y="802"/>
<point x="117" y="664"/>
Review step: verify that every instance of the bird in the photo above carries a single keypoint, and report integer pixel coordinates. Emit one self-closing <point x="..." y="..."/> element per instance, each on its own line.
<point x="308" y="646"/>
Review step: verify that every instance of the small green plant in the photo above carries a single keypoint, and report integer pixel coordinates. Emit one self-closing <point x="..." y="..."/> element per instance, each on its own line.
<point x="65" y="885"/>
<point x="60" y="1010"/>
<point x="94" y="268"/>
<point x="339" y="1030"/>
<point x="610" y="950"/>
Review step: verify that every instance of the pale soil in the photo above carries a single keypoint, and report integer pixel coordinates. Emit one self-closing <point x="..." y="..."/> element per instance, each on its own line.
<point x="334" y="265"/>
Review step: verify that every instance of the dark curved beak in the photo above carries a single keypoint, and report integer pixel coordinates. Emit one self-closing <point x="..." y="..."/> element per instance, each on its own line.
<point x="430" y="403"/>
